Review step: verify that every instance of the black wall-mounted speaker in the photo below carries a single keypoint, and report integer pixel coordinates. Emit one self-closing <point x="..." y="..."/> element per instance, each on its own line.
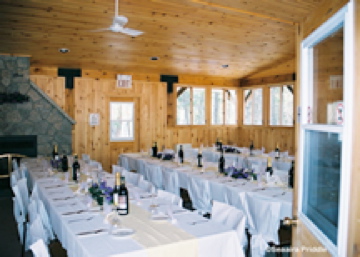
<point x="69" y="75"/>
<point x="170" y="80"/>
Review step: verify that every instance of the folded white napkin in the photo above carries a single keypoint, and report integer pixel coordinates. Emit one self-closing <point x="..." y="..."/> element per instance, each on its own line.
<point x="39" y="249"/>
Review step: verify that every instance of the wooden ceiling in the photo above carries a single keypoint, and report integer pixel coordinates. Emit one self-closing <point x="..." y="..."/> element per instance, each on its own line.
<point x="189" y="36"/>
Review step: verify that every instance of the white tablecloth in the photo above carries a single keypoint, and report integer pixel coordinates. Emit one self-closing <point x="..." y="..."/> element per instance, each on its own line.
<point x="204" y="239"/>
<point x="214" y="187"/>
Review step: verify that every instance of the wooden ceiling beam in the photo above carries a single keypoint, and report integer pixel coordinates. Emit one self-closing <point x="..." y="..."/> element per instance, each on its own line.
<point x="284" y="78"/>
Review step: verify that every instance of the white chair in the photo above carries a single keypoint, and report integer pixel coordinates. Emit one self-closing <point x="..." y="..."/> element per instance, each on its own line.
<point x="85" y="158"/>
<point x="199" y="191"/>
<point x="13" y="179"/>
<point x="15" y="165"/>
<point x="24" y="192"/>
<point x="116" y="168"/>
<point x="124" y="162"/>
<point x="19" y="217"/>
<point x="232" y="218"/>
<point x="169" y="198"/>
<point x="35" y="232"/>
<point x="33" y="210"/>
<point x="132" y="178"/>
<point x="39" y="249"/>
<point x="146" y="186"/>
<point x="46" y="221"/>
<point x="264" y="221"/>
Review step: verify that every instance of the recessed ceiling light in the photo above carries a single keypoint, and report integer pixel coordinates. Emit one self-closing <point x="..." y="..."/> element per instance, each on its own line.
<point x="64" y="50"/>
<point x="154" y="58"/>
<point x="225" y="65"/>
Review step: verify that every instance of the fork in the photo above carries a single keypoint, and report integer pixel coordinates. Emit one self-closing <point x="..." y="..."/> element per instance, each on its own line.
<point x="91" y="232"/>
<point x="84" y="219"/>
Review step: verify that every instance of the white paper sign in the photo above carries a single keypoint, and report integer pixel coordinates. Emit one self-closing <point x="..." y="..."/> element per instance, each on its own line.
<point x="94" y="119"/>
<point x="124" y="81"/>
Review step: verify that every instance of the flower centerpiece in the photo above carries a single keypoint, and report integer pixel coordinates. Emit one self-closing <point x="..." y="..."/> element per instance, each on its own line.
<point x="99" y="191"/>
<point x="240" y="173"/>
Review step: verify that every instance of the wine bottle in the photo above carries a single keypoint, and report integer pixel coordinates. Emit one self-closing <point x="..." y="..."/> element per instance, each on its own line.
<point x="217" y="142"/>
<point x="181" y="154"/>
<point x="75" y="168"/>
<point x="220" y="146"/>
<point x="116" y="191"/>
<point x="269" y="166"/>
<point x="199" y="158"/>
<point x="154" y="150"/>
<point x="291" y="175"/>
<point x="123" y="199"/>
<point x="251" y="147"/>
<point x="221" y="162"/>
<point x="64" y="163"/>
<point x="277" y="152"/>
<point x="55" y="153"/>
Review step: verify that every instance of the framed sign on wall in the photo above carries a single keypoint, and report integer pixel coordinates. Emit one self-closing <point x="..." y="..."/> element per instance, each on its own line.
<point x="124" y="81"/>
<point x="94" y="119"/>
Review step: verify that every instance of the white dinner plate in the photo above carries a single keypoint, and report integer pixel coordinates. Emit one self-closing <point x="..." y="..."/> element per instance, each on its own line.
<point x="122" y="232"/>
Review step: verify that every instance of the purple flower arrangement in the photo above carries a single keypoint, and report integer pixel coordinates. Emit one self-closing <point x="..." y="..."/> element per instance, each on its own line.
<point x="166" y="156"/>
<point x="101" y="191"/>
<point x="240" y="173"/>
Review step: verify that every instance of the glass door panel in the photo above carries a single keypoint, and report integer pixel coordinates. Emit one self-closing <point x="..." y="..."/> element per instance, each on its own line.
<point x="322" y="165"/>
<point x="328" y="80"/>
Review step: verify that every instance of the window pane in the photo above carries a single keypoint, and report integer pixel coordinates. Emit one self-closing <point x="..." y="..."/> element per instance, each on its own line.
<point x="231" y="107"/>
<point x="183" y="106"/>
<point x="321" y="183"/>
<point x="217" y="108"/>
<point x="199" y="106"/>
<point x="275" y="105"/>
<point x="287" y="106"/>
<point x="328" y="68"/>
<point x="257" y="107"/>
<point x="121" y="121"/>
<point x="248" y="102"/>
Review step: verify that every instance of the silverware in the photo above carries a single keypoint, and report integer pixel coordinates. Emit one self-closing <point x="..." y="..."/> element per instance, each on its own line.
<point x="65" y="198"/>
<point x="283" y="193"/>
<point x="53" y="186"/>
<point x="198" y="221"/>
<point x="91" y="232"/>
<point x="179" y="211"/>
<point x="84" y="219"/>
<point x="73" y="212"/>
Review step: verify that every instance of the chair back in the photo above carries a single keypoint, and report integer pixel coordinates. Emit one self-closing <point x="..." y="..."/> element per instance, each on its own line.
<point x="146" y="186"/>
<point x="13" y="179"/>
<point x="133" y="178"/>
<point x="116" y="168"/>
<point x="264" y="217"/>
<point x="35" y="232"/>
<point x="155" y="175"/>
<point x="230" y="217"/>
<point x="170" y="181"/>
<point x="199" y="191"/>
<point x="169" y="198"/>
<point x="24" y="192"/>
<point x="46" y="221"/>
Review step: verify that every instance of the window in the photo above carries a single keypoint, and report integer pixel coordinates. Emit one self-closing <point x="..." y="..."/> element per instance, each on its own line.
<point x="223" y="107"/>
<point x="282" y="105"/>
<point x="253" y="106"/>
<point x="121" y="121"/>
<point x="190" y="106"/>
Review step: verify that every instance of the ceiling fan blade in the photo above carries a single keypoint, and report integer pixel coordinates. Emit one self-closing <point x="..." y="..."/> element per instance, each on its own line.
<point x="131" y="32"/>
<point x="99" y="30"/>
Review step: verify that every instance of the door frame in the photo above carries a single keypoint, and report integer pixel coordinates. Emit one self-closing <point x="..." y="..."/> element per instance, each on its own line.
<point x="344" y="15"/>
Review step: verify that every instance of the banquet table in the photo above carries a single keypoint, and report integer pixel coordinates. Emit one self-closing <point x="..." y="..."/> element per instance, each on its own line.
<point x="212" y="185"/>
<point x="74" y="218"/>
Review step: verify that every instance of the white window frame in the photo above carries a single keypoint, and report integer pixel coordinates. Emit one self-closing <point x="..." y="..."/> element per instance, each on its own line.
<point x="191" y="105"/>
<point x="224" y="107"/>
<point x="281" y="105"/>
<point x="122" y="139"/>
<point x="343" y="16"/>
<point x="262" y="106"/>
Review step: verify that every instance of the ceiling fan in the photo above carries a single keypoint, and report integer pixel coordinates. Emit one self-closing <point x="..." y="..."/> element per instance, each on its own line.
<point x="118" y="24"/>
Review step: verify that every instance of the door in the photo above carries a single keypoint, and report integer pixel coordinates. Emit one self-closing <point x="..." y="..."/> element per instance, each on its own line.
<point x="123" y="126"/>
<point x="324" y="136"/>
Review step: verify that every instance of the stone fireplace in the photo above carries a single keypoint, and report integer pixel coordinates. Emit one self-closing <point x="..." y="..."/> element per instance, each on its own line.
<point x="40" y="117"/>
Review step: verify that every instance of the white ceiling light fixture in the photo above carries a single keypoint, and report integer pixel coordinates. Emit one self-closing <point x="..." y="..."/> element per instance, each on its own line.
<point x="118" y="24"/>
<point x="64" y="50"/>
<point x="225" y="66"/>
